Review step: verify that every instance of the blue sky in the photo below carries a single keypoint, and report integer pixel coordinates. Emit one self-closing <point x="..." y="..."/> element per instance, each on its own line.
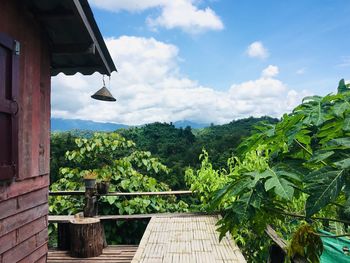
<point x="213" y="61"/>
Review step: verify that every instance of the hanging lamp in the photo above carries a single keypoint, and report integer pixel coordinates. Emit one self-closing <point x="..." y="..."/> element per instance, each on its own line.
<point x="103" y="94"/>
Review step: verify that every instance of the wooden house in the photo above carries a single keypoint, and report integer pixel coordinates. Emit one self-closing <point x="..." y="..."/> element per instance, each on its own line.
<point x="38" y="39"/>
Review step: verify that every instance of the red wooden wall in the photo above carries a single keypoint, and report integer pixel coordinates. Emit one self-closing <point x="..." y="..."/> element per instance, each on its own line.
<point x="24" y="202"/>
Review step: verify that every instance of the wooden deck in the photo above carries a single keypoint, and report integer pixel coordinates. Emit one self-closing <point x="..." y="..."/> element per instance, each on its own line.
<point x="111" y="254"/>
<point x="186" y="240"/>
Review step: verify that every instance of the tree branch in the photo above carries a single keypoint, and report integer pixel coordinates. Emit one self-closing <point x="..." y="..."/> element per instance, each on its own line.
<point x="308" y="151"/>
<point x="312" y="217"/>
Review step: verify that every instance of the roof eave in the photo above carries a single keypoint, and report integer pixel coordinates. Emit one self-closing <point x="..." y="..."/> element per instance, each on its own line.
<point x="86" y="15"/>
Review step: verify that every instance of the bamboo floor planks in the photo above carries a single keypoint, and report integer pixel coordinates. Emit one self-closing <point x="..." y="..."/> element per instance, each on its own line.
<point x="186" y="240"/>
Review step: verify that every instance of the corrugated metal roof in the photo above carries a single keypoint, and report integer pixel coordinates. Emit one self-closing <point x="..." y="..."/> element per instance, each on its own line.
<point x="76" y="42"/>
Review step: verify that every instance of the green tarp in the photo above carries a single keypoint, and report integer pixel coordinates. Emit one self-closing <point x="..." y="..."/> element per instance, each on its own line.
<point x="335" y="249"/>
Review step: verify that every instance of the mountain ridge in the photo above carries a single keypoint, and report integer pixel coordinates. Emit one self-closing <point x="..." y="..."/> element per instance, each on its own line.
<point x="59" y="124"/>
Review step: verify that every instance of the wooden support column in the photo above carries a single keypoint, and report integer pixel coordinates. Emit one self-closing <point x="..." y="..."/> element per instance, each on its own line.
<point x="63" y="238"/>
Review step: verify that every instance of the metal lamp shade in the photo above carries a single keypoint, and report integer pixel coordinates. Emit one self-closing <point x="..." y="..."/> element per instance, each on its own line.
<point x="103" y="94"/>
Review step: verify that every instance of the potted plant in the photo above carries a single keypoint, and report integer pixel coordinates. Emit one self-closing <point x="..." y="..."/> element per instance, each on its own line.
<point x="90" y="179"/>
<point x="103" y="182"/>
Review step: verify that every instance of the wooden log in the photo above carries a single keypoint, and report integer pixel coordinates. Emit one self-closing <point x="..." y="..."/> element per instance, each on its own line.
<point x="86" y="238"/>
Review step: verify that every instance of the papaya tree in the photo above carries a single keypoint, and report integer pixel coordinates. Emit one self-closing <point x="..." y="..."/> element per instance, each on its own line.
<point x="305" y="175"/>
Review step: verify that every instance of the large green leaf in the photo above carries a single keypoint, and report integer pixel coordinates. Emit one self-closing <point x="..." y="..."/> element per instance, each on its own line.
<point x="343" y="164"/>
<point x="233" y="189"/>
<point x="324" y="186"/>
<point x="346" y="124"/>
<point x="341" y="143"/>
<point x="278" y="181"/>
<point x="341" y="107"/>
<point x="314" y="110"/>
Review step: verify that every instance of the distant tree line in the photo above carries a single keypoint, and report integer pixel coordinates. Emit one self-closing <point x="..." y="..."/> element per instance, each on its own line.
<point x="177" y="148"/>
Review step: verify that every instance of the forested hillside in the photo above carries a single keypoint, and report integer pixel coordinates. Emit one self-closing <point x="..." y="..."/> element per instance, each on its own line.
<point x="180" y="148"/>
<point x="177" y="148"/>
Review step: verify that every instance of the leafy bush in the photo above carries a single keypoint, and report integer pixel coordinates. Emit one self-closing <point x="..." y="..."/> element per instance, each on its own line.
<point x="129" y="170"/>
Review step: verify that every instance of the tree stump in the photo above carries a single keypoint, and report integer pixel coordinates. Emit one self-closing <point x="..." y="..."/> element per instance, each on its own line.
<point x="86" y="237"/>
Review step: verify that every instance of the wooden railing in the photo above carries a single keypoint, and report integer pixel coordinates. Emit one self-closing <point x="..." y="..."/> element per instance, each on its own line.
<point x="181" y="192"/>
<point x="64" y="220"/>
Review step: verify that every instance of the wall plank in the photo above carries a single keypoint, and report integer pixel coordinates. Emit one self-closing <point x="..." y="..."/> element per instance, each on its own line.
<point x="19" y="252"/>
<point x="31" y="229"/>
<point x="36" y="256"/>
<point x="23" y="187"/>
<point x="33" y="199"/>
<point x="13" y="222"/>
<point x="42" y="260"/>
<point x="8" y="207"/>
<point x="7" y="241"/>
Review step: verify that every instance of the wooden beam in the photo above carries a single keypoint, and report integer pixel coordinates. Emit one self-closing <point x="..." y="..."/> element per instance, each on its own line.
<point x="275" y="238"/>
<point x="59" y="193"/>
<point x="181" y="192"/>
<point x="55" y="15"/>
<point x="91" y="33"/>
<point x="68" y="218"/>
<point x="71" y="49"/>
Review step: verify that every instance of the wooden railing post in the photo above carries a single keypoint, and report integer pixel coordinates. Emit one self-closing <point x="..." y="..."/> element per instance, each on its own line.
<point x="90" y="208"/>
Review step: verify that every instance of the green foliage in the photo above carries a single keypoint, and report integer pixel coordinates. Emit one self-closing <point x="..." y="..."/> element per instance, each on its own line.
<point x="221" y="141"/>
<point x="169" y="144"/>
<point x="179" y="148"/>
<point x="129" y="170"/>
<point x="305" y="170"/>
<point x="312" y="139"/>
<point x="226" y="190"/>
<point x="60" y="143"/>
<point x="205" y="181"/>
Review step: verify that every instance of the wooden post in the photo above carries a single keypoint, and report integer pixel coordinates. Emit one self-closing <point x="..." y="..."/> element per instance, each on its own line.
<point x="63" y="236"/>
<point x="86" y="237"/>
<point x="90" y="208"/>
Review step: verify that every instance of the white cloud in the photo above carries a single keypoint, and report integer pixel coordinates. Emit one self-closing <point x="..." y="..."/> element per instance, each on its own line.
<point x="257" y="50"/>
<point x="149" y="87"/>
<point x="183" y="14"/>
<point x="127" y="5"/>
<point x="270" y="71"/>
